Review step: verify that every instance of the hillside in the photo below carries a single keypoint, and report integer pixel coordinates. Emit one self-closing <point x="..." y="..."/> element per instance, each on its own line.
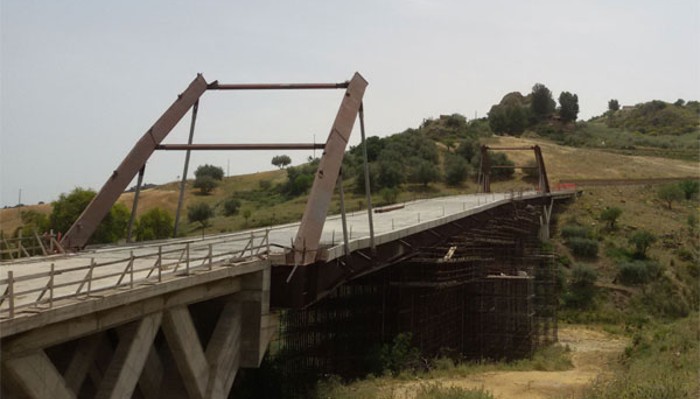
<point x="655" y="316"/>
<point x="562" y="163"/>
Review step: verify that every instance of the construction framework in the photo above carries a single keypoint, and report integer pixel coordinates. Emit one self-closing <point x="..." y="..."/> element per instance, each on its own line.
<point x="488" y="292"/>
<point x="305" y="245"/>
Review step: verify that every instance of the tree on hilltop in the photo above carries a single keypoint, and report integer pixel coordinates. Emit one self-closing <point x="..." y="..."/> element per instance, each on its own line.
<point x="568" y="103"/>
<point x="215" y="172"/>
<point x="207" y="178"/>
<point x="542" y="104"/>
<point x="281" y="161"/>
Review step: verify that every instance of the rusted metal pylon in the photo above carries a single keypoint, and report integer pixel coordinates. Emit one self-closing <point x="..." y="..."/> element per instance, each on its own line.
<point x="308" y="236"/>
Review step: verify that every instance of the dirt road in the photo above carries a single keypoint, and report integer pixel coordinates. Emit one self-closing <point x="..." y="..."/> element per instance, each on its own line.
<point x="593" y="353"/>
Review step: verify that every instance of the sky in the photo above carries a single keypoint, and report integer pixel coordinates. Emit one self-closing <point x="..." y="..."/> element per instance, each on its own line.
<point x="82" y="81"/>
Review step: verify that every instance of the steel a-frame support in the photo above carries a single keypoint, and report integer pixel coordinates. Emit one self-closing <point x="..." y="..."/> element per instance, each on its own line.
<point x="80" y="232"/>
<point x="485" y="171"/>
<point x="309" y="233"/>
<point x="308" y="237"/>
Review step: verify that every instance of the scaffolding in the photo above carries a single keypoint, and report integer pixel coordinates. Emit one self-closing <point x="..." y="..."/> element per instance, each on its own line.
<point x="488" y="292"/>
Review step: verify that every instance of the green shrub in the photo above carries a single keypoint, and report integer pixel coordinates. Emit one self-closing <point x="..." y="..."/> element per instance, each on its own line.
<point x="231" y="206"/>
<point x="153" y="225"/>
<point x="455" y="170"/>
<point x="583" y="276"/>
<point x="265" y="184"/>
<point x="69" y="207"/>
<point x="641" y="240"/>
<point x="574" y="230"/>
<point x="400" y="355"/>
<point x="610" y="215"/>
<point x="627" y="386"/>
<point x="581" y="287"/>
<point x="690" y="188"/>
<point x="200" y="213"/>
<point x="583" y="247"/>
<point x="638" y="272"/>
<point x="389" y="195"/>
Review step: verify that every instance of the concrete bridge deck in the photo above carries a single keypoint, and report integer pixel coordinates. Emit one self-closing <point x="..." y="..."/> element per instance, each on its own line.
<point x="91" y="271"/>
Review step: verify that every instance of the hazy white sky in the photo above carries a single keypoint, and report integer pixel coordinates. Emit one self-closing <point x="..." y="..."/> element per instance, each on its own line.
<point x="81" y="81"/>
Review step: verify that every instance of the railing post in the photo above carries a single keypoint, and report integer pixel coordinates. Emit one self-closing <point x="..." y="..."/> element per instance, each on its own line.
<point x="160" y="262"/>
<point x="41" y="244"/>
<point x="210" y="256"/>
<point x="187" y="259"/>
<point x="11" y="293"/>
<point x="368" y="191"/>
<point x="89" y="282"/>
<point x="252" y="243"/>
<point x="19" y="245"/>
<point x="267" y="241"/>
<point x="51" y="274"/>
<point x="131" y="271"/>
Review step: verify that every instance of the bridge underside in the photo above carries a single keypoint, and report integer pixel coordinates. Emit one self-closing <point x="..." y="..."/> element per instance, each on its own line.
<point x="188" y="341"/>
<point x="299" y="287"/>
<point x="482" y="287"/>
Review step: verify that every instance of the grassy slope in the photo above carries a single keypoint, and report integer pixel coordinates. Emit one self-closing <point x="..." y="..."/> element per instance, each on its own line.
<point x="562" y="163"/>
<point x="596" y="134"/>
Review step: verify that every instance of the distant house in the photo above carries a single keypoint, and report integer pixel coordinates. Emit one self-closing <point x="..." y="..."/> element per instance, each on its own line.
<point x="628" y="107"/>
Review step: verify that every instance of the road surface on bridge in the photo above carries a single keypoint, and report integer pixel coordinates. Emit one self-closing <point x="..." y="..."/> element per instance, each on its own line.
<point x="86" y="273"/>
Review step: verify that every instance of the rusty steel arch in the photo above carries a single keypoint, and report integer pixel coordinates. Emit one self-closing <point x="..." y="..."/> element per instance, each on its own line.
<point x="309" y="234"/>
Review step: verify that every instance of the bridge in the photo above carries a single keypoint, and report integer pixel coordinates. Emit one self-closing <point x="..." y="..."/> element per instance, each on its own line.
<point x="181" y="317"/>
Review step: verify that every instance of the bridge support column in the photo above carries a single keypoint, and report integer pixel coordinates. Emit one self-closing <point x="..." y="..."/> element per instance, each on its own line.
<point x="184" y="344"/>
<point x="223" y="352"/>
<point x="83" y="358"/>
<point x="129" y="358"/>
<point x="36" y="377"/>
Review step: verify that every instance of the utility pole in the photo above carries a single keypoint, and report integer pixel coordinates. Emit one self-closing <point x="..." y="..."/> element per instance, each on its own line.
<point x="19" y="202"/>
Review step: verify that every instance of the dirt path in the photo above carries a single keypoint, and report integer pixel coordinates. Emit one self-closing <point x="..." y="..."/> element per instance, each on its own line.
<point x="593" y="353"/>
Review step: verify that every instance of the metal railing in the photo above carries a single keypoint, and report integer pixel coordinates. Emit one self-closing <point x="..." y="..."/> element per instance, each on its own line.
<point x="24" y="247"/>
<point x="39" y="291"/>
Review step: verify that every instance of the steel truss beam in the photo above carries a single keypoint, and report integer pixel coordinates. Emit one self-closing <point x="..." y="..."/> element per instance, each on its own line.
<point x="270" y="146"/>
